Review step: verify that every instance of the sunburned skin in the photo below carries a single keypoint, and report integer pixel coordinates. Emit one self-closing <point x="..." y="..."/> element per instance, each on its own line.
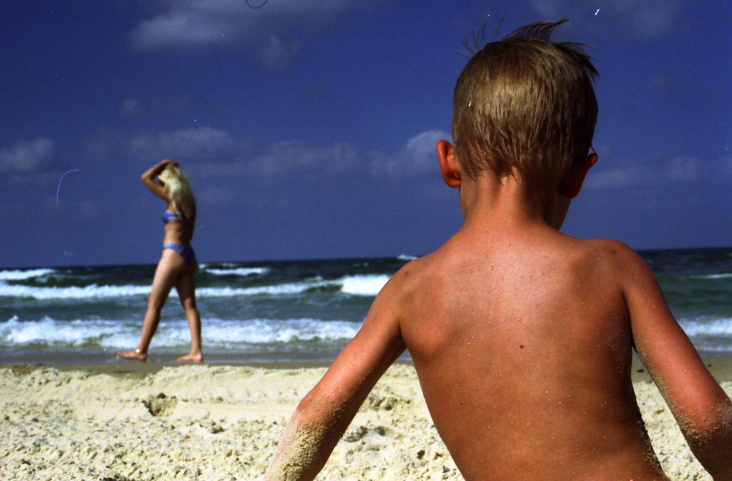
<point x="297" y="456"/>
<point x="706" y="424"/>
<point x="301" y="452"/>
<point x="717" y="426"/>
<point x="520" y="386"/>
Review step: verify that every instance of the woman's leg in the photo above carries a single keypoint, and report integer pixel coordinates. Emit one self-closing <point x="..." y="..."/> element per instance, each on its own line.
<point x="169" y="267"/>
<point x="186" y="287"/>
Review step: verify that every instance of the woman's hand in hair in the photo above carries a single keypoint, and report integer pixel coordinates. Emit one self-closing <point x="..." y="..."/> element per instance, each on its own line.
<point x="170" y="162"/>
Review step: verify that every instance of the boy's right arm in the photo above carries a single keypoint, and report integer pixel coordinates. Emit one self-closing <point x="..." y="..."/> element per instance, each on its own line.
<point x="702" y="409"/>
<point x="324" y="414"/>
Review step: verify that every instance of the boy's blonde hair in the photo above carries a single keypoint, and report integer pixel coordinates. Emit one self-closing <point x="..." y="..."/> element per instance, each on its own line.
<point x="525" y="103"/>
<point x="178" y="189"/>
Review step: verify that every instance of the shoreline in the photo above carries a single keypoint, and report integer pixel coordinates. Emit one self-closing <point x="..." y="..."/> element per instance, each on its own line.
<point x="720" y="365"/>
<point x="213" y="421"/>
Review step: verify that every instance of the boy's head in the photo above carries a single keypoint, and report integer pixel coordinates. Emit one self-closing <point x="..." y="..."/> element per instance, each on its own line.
<point x="525" y="105"/>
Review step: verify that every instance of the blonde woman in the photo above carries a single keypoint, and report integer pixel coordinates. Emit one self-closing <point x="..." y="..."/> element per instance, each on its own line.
<point x="177" y="265"/>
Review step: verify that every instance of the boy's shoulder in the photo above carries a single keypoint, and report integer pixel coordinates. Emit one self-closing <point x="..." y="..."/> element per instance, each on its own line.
<point x="419" y="275"/>
<point x="607" y="264"/>
<point x="608" y="252"/>
<point x="609" y="258"/>
<point x="606" y="247"/>
<point x="411" y="273"/>
<point x="604" y="254"/>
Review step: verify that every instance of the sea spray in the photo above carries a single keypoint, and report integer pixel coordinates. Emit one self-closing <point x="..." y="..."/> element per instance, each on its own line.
<point x="270" y="311"/>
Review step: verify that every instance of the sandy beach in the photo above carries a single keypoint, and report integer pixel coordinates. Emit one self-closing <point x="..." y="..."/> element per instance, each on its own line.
<point x="221" y="422"/>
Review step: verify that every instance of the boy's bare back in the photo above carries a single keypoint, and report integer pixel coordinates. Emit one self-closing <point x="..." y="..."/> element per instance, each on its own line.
<point x="523" y="349"/>
<point x="521" y="336"/>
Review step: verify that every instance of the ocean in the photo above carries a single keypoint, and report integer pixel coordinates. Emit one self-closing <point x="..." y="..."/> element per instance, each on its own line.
<point x="279" y="311"/>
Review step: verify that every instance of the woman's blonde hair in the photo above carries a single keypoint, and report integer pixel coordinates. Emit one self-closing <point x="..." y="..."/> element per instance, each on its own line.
<point x="178" y="189"/>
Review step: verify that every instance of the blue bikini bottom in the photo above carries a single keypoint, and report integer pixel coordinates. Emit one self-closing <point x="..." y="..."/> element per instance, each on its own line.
<point x="186" y="252"/>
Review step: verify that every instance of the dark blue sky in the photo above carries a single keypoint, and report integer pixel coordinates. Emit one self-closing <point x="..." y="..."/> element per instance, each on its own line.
<point x="308" y="128"/>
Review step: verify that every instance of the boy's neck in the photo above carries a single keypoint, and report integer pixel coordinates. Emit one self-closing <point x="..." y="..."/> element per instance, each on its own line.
<point x="508" y="201"/>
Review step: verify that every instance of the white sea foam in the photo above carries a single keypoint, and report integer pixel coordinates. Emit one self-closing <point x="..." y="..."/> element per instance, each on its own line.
<point x="88" y="292"/>
<point x="709" y="334"/>
<point x="239" y="271"/>
<point x="716" y="327"/>
<point x="14" y="332"/>
<point x="231" y="334"/>
<point x="98" y="292"/>
<point x="21" y="275"/>
<point x="274" y="290"/>
<point x="361" y="285"/>
<point x="261" y="331"/>
<point x="724" y="275"/>
<point x="364" y="285"/>
<point x="48" y="331"/>
<point x="218" y="334"/>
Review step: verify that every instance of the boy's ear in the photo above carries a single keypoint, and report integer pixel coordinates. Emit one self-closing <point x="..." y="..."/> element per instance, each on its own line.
<point x="448" y="164"/>
<point x="572" y="182"/>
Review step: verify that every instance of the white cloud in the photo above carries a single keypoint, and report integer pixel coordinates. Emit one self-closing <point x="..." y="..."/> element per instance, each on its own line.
<point x="32" y="180"/>
<point x="301" y="159"/>
<point x="203" y="23"/>
<point x="725" y="166"/>
<point x="212" y="153"/>
<point x="184" y="28"/>
<point x="130" y="107"/>
<point x="682" y="170"/>
<point x="617" y="179"/>
<point x="282" y="160"/>
<point x="417" y="157"/>
<point x="296" y="157"/>
<point x="654" y="20"/>
<point x="278" y="52"/>
<point x="204" y="143"/>
<point x="26" y="156"/>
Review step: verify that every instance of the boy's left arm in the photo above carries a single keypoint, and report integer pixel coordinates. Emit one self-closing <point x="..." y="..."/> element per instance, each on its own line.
<point x="325" y="413"/>
<point x="702" y="409"/>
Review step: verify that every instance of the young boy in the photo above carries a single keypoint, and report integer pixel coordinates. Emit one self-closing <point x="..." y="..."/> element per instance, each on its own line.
<point x="522" y="336"/>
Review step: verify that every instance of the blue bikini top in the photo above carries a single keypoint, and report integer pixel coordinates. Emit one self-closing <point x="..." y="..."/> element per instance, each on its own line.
<point x="168" y="216"/>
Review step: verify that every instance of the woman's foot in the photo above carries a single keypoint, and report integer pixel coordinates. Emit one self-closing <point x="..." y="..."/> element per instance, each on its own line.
<point x="134" y="354"/>
<point x="191" y="358"/>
